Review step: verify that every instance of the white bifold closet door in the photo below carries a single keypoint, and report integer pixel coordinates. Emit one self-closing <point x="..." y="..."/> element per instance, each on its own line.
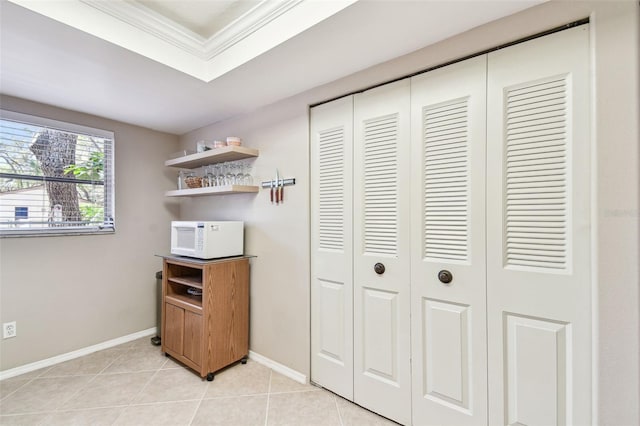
<point x="331" y="245"/>
<point x="448" y="320"/>
<point x="360" y="315"/>
<point x="538" y="232"/>
<point x="381" y="305"/>
<point x="480" y="169"/>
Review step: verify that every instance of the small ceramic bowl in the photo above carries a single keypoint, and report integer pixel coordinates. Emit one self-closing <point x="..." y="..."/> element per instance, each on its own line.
<point x="234" y="141"/>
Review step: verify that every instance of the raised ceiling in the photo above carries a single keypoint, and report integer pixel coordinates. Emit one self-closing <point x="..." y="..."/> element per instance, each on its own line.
<point x="204" y="18"/>
<point x="168" y="32"/>
<point x="176" y="66"/>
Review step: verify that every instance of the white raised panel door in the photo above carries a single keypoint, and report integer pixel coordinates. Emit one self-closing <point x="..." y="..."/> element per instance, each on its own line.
<point x="382" y="370"/>
<point x="331" y="130"/>
<point x="448" y="321"/>
<point x="538" y="239"/>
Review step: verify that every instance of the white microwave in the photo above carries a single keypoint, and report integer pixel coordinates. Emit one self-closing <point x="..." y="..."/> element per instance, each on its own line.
<point x="207" y="240"/>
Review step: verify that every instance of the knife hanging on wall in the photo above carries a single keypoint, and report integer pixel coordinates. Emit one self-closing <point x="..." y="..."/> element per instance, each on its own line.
<point x="277" y="187"/>
<point x="271" y="191"/>
<point x="280" y="184"/>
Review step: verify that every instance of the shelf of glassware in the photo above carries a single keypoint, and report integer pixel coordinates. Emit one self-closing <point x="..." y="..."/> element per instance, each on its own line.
<point x="212" y="190"/>
<point x="213" y="156"/>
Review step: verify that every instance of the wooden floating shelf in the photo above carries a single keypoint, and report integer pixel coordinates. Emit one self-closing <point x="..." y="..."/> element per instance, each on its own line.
<point x="212" y="190"/>
<point x="212" y="156"/>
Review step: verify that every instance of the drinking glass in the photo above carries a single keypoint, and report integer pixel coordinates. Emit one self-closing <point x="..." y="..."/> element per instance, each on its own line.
<point x="237" y="173"/>
<point x="216" y="175"/>
<point x="229" y="176"/>
<point x="247" y="179"/>
<point x="209" y="178"/>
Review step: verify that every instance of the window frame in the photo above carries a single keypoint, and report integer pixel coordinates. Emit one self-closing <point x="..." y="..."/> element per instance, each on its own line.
<point x="109" y="176"/>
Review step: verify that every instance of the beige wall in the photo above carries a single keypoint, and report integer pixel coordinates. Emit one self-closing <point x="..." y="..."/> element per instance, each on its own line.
<point x="71" y="292"/>
<point x="279" y="235"/>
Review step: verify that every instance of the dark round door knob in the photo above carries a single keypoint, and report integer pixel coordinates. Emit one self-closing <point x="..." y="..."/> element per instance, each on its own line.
<point x="445" y="276"/>
<point x="379" y="268"/>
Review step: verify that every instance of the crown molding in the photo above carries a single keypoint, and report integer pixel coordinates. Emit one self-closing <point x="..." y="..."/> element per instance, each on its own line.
<point x="135" y="27"/>
<point x="157" y="25"/>
<point x="256" y="18"/>
<point x="153" y="23"/>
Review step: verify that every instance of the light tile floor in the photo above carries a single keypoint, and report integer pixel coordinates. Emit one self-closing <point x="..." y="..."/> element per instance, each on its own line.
<point x="135" y="384"/>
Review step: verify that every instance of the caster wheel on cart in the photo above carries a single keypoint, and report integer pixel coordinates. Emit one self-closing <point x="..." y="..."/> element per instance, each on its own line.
<point x="209" y="377"/>
<point x="244" y="360"/>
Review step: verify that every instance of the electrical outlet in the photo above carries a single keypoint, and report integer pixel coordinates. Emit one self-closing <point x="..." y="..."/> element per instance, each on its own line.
<point x="9" y="330"/>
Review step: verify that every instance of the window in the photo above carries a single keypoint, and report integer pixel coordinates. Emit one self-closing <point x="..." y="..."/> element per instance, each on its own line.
<point x="55" y="178"/>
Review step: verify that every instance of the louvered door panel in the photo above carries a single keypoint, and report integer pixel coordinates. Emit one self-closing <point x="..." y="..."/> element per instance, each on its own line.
<point x="536" y="175"/>
<point x="331" y="203"/>
<point x="331" y="244"/>
<point x="446" y="180"/>
<point x="380" y="185"/>
<point x="382" y="374"/>
<point x="538" y="245"/>
<point x="448" y="328"/>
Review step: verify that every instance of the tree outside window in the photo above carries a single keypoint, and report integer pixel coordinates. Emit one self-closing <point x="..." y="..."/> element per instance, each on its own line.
<point x="61" y="173"/>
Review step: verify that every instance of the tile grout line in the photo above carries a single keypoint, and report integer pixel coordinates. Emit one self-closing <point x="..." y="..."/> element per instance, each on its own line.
<point x="243" y="395"/>
<point x="90" y="381"/>
<point x="113" y="361"/>
<point x="91" y="377"/>
<point x="18" y="388"/>
<point x="202" y="398"/>
<point x="105" y="368"/>
<point x="295" y="391"/>
<point x="266" y="414"/>
<point x="141" y="390"/>
<point x="335" y="401"/>
<point x="58" y="408"/>
<point x="44" y="370"/>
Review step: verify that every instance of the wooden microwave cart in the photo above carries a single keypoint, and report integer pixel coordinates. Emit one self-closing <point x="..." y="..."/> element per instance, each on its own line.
<point x="205" y="312"/>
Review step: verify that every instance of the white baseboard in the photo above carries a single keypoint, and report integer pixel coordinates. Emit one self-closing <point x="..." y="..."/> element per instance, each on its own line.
<point x="75" y="354"/>
<point x="278" y="368"/>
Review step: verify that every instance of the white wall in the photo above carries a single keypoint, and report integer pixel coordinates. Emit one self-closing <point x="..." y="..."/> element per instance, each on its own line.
<point x="617" y="210"/>
<point x="70" y="292"/>
<point x="279" y="235"/>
